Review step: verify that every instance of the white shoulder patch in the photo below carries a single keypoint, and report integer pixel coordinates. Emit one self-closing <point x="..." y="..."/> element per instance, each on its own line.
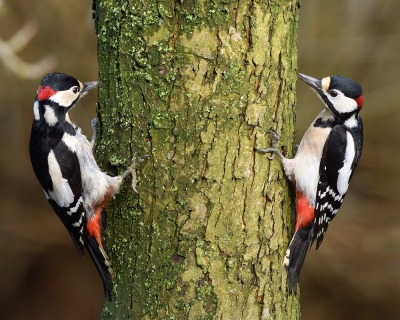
<point x="36" y="110"/>
<point x="345" y="171"/>
<point x="70" y="141"/>
<point x="50" y="116"/>
<point x="62" y="193"/>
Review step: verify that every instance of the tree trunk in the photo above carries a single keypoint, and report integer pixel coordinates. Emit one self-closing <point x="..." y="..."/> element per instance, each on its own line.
<point x="196" y="85"/>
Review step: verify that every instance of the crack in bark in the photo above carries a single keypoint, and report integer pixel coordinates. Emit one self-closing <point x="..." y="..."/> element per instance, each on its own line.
<point x="219" y="42"/>
<point x="222" y="182"/>
<point x="244" y="210"/>
<point x="248" y="40"/>
<point x="175" y="32"/>
<point x="235" y="9"/>
<point x="253" y="161"/>
<point x="278" y="95"/>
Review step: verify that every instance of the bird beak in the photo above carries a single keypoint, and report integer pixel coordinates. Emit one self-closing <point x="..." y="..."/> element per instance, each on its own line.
<point x="314" y="83"/>
<point x="86" y="86"/>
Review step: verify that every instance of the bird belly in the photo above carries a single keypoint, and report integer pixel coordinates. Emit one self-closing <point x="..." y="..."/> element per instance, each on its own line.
<point x="307" y="161"/>
<point x="94" y="182"/>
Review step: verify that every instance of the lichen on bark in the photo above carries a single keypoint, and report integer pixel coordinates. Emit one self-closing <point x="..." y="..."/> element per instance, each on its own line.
<point x="196" y="85"/>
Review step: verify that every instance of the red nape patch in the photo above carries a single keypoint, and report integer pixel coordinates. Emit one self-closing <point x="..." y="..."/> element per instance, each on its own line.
<point x="360" y="101"/>
<point x="93" y="227"/>
<point x="45" y="93"/>
<point x="304" y="212"/>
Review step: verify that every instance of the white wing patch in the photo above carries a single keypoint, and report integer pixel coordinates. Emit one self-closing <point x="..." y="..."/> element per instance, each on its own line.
<point x="345" y="171"/>
<point x="62" y="193"/>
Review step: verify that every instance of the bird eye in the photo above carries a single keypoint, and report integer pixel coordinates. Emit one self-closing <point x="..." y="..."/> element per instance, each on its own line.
<point x="74" y="89"/>
<point x="333" y="93"/>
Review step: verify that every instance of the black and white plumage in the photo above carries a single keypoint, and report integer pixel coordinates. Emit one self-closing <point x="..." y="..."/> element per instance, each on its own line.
<point x="64" y="164"/>
<point x="323" y="166"/>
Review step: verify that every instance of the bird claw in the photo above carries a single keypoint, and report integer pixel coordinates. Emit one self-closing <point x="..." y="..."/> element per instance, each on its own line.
<point x="275" y="137"/>
<point x="273" y="133"/>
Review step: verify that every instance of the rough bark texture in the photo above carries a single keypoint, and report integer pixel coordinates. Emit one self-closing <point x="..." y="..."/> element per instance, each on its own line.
<point x="196" y="85"/>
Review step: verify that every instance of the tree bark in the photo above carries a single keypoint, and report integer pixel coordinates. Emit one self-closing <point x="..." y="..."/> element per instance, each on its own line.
<point x="196" y="85"/>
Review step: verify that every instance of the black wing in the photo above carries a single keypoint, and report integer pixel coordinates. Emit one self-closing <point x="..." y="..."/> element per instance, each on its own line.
<point x="70" y="211"/>
<point x="336" y="169"/>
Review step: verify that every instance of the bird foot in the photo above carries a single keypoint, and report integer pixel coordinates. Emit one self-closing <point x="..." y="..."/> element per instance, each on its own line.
<point x="132" y="170"/>
<point x="274" y="150"/>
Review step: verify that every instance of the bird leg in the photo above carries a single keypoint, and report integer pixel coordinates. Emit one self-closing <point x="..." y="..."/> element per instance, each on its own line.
<point x="132" y="167"/>
<point x="93" y="124"/>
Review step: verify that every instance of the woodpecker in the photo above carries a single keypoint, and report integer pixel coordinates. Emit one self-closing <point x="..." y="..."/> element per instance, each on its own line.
<point x="323" y="166"/>
<point x="62" y="159"/>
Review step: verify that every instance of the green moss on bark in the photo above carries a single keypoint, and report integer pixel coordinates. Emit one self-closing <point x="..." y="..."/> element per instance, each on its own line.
<point x="196" y="85"/>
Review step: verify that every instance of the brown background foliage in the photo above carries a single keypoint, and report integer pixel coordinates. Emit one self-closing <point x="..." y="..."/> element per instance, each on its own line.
<point x="356" y="272"/>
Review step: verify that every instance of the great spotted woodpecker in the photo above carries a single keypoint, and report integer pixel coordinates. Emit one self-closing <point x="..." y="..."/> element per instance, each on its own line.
<point x="63" y="161"/>
<point x="324" y="163"/>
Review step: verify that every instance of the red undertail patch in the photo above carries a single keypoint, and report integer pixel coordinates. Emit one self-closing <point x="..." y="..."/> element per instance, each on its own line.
<point x="304" y="212"/>
<point x="93" y="227"/>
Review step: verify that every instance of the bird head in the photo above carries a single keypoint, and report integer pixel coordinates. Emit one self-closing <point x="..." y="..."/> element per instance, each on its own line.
<point x="57" y="94"/>
<point x="343" y="96"/>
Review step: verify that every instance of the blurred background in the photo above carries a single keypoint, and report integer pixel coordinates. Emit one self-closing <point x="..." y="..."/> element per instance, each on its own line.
<point x="356" y="272"/>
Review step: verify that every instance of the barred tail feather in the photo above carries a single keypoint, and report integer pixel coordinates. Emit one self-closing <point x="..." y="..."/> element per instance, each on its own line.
<point x="102" y="264"/>
<point x="295" y="255"/>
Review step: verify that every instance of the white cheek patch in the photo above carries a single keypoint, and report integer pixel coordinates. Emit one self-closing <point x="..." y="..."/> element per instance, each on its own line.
<point x="36" y="110"/>
<point x="345" y="171"/>
<point x="50" y="116"/>
<point x="62" y="193"/>
<point x="343" y="104"/>
<point x="64" y="98"/>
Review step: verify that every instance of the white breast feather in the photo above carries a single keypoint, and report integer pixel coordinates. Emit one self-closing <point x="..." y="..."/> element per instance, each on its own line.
<point x="308" y="157"/>
<point x="95" y="182"/>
